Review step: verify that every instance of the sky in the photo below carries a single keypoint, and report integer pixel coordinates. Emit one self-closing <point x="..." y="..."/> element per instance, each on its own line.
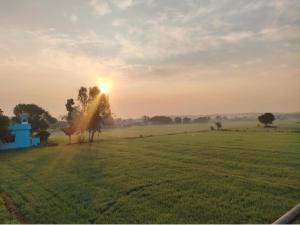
<point x="164" y="57"/>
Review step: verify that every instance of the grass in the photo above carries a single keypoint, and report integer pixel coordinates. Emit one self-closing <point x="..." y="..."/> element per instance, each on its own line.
<point x="174" y="174"/>
<point x="5" y="216"/>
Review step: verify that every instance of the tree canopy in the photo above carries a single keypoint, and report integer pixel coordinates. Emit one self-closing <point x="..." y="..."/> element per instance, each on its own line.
<point x="39" y="118"/>
<point x="4" y="122"/>
<point x="266" y="118"/>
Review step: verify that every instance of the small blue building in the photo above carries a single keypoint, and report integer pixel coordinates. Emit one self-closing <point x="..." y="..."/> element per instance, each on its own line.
<point x="21" y="135"/>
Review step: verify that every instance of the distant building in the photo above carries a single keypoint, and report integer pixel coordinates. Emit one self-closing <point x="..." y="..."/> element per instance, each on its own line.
<point x="21" y="135"/>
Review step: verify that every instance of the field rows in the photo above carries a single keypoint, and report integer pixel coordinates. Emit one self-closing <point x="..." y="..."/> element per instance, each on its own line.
<point x="197" y="177"/>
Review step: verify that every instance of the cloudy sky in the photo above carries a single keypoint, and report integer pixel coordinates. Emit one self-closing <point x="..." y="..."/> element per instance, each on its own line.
<point x="159" y="57"/>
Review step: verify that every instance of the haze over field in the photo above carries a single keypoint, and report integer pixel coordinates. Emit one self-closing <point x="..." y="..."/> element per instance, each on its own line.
<point x="159" y="57"/>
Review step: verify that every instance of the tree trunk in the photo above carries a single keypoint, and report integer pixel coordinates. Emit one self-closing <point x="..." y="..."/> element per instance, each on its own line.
<point x="69" y="139"/>
<point x="92" y="137"/>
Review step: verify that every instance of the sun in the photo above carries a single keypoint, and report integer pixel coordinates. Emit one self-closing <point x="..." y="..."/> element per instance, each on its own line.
<point x="104" y="88"/>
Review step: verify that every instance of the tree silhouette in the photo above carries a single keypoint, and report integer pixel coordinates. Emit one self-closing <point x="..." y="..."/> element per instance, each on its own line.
<point x="98" y="110"/>
<point x="83" y="98"/>
<point x="71" y="118"/>
<point x="4" y="122"/>
<point x="266" y="119"/>
<point x="186" y="120"/>
<point x="218" y="124"/>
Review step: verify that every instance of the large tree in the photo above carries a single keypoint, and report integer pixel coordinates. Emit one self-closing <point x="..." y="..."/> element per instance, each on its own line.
<point x="266" y="119"/>
<point x="39" y="118"/>
<point x="83" y="98"/>
<point x="98" y="110"/>
<point x="4" y="122"/>
<point x="71" y="118"/>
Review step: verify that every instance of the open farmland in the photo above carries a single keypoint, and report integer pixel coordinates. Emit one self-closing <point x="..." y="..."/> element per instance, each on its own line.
<point x="158" y="174"/>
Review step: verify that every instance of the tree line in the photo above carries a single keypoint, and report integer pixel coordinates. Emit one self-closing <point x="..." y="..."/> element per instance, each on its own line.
<point x="176" y="120"/>
<point x="90" y="112"/>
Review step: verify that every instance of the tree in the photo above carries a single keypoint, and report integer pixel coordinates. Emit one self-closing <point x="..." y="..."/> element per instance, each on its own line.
<point x="186" y="120"/>
<point x="218" y="124"/>
<point x="71" y="119"/>
<point x="146" y="119"/>
<point x="38" y="117"/>
<point x="266" y="119"/>
<point x="98" y="110"/>
<point x="90" y="115"/>
<point x="83" y="98"/>
<point x="4" y="123"/>
<point x="178" y="119"/>
<point x="69" y="131"/>
<point x="71" y="110"/>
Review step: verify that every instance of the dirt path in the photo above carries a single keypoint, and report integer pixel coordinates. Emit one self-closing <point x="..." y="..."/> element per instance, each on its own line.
<point x="12" y="208"/>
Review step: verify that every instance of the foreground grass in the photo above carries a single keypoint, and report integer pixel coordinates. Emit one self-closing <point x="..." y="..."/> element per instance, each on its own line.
<point x="5" y="216"/>
<point x="235" y="176"/>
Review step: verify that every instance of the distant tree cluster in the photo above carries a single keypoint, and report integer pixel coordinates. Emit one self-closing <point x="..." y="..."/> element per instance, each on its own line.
<point x="203" y="119"/>
<point x="177" y="120"/>
<point x="161" y="120"/>
<point x="186" y="120"/>
<point x="90" y="114"/>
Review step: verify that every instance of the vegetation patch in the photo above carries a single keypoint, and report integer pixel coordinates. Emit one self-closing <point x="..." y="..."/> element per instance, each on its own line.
<point x="9" y="213"/>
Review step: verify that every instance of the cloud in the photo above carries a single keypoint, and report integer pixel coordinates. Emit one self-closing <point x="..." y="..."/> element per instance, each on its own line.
<point x="118" y="22"/>
<point x="100" y="7"/>
<point x="123" y="4"/>
<point x="235" y="37"/>
<point x="73" y="18"/>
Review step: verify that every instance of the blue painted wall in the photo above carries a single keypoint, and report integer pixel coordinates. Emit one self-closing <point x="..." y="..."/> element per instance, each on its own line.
<point x="22" y="135"/>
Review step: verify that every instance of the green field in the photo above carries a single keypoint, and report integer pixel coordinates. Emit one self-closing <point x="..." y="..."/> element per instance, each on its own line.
<point x="158" y="174"/>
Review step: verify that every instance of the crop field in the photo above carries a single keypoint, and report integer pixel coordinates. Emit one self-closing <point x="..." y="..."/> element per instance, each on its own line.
<point x="158" y="174"/>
